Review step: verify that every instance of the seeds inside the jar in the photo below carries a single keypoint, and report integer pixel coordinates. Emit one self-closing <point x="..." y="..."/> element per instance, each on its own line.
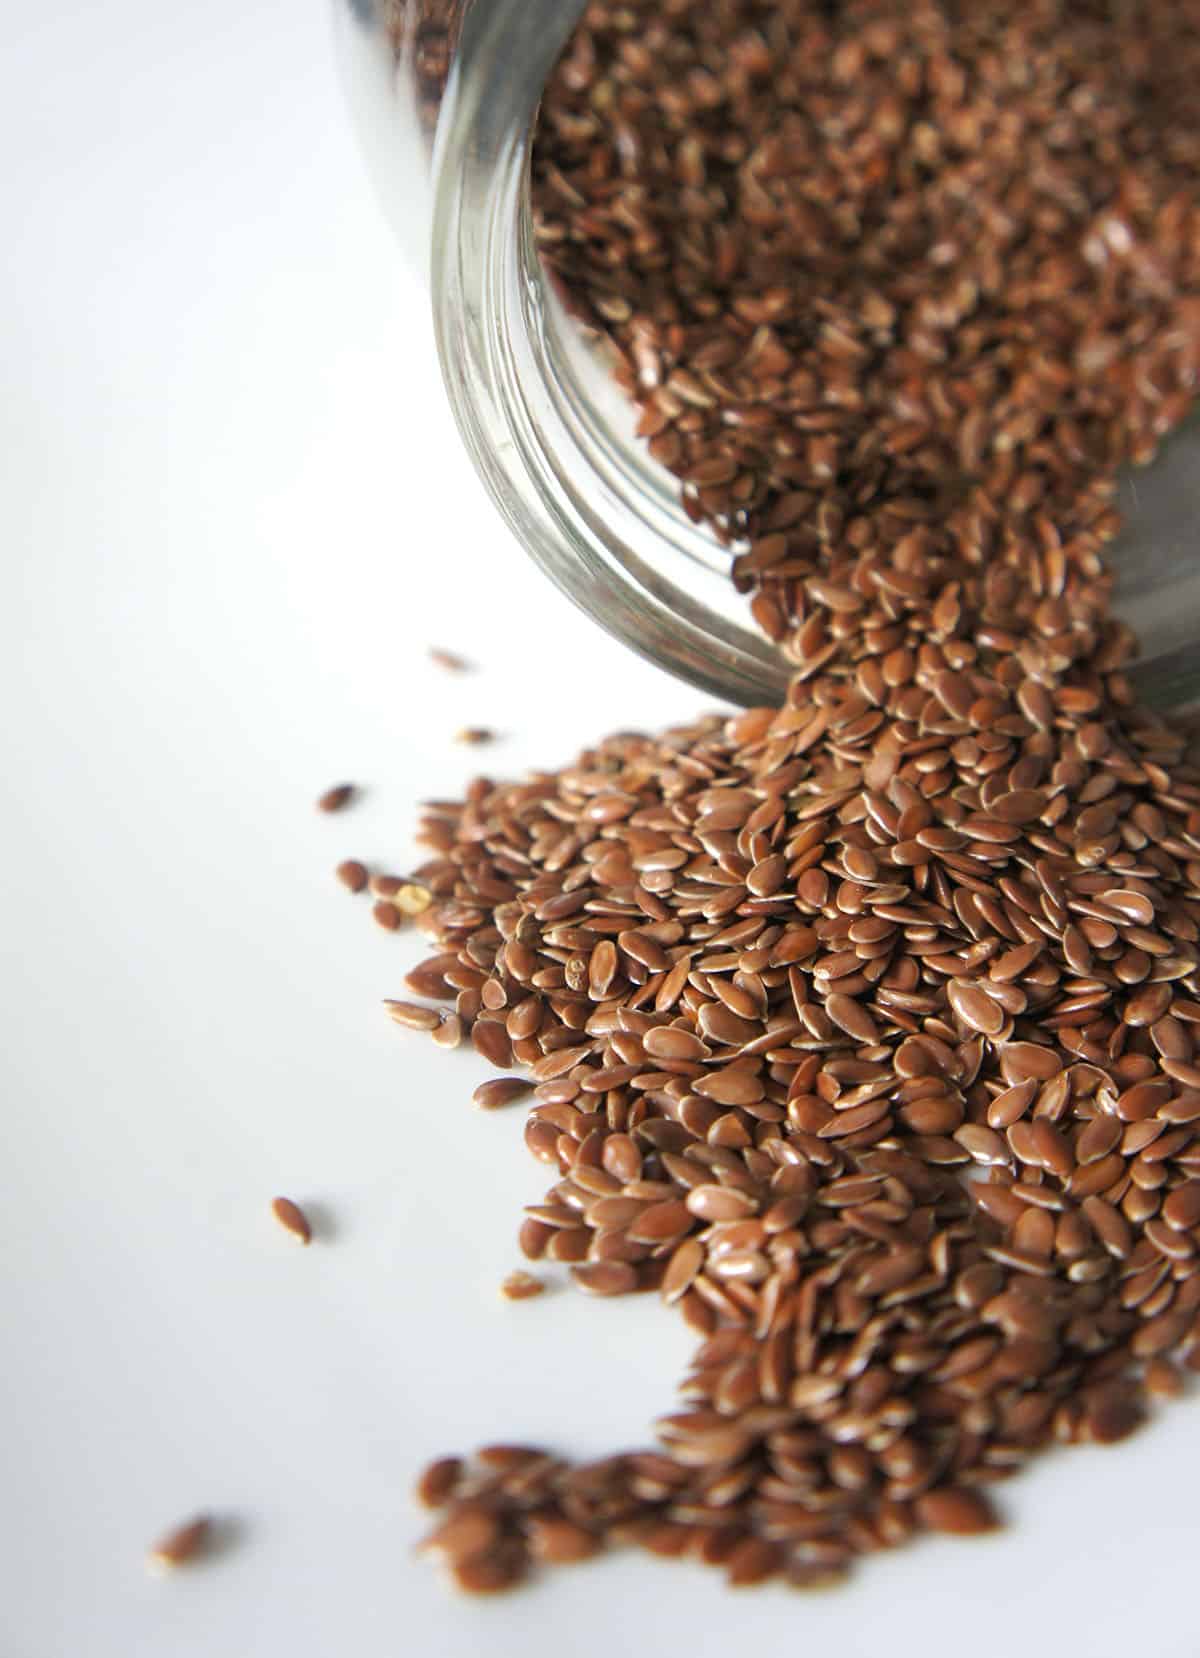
<point x="861" y="1029"/>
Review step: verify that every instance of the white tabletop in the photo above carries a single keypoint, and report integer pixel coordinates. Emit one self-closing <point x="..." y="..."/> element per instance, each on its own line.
<point x="235" y="517"/>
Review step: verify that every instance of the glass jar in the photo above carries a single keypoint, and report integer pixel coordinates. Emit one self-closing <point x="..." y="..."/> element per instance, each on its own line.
<point x="445" y="95"/>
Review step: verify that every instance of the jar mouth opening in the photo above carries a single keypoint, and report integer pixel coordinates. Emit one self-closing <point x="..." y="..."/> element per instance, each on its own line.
<point x="548" y="429"/>
<point x="552" y="435"/>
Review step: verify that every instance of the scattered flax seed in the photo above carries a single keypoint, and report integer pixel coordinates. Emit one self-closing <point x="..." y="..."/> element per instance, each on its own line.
<point x="1163" y="1379"/>
<point x="450" y="661"/>
<point x="352" y="874"/>
<point x="491" y="1573"/>
<point x="449" y="1033"/>
<point x="521" y="1286"/>
<point x="387" y="915"/>
<point x="558" y="1542"/>
<point x="472" y="736"/>
<point x="182" y="1546"/>
<point x="413" y="1016"/>
<point x="437" y="1481"/>
<point x="501" y="1091"/>
<point x="292" y="1218"/>
<point x="956" y="1510"/>
<point x="467" y="1533"/>
<point x="337" y="798"/>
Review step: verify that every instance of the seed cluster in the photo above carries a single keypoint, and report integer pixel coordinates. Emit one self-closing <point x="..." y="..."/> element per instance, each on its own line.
<point x="887" y="282"/>
<point x="778" y="998"/>
<point x="864" y="1030"/>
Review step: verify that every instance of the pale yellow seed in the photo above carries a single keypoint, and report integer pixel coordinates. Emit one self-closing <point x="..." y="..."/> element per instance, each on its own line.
<point x="412" y="899"/>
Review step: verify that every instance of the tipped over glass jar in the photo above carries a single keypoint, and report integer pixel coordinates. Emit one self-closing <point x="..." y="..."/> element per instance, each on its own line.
<point x="446" y="94"/>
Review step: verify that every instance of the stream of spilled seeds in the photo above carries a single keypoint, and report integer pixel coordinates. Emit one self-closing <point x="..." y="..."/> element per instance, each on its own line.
<point x="862" y="1030"/>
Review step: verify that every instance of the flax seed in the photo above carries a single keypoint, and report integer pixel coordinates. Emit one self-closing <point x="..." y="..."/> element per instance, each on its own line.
<point x="438" y="1480"/>
<point x="352" y="875"/>
<point x="521" y="1286"/>
<point x="955" y="1510"/>
<point x="450" y="661"/>
<point x="337" y="798"/>
<point x="292" y="1218"/>
<point x="467" y="1534"/>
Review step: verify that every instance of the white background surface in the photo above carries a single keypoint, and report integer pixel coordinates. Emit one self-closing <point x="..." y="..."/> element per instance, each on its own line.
<point x="234" y="517"/>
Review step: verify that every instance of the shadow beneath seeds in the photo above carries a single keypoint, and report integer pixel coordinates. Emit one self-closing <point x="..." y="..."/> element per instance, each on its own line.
<point x="326" y="1227"/>
<point x="227" y="1534"/>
